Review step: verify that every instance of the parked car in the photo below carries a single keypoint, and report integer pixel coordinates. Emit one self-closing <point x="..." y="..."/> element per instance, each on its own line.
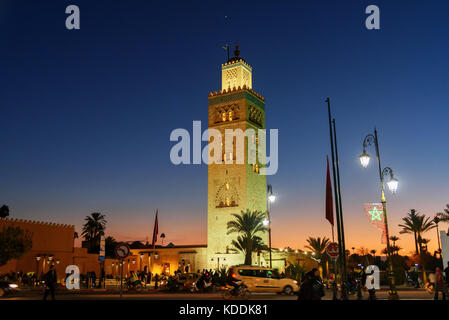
<point x="7" y="287"/>
<point x="261" y="279"/>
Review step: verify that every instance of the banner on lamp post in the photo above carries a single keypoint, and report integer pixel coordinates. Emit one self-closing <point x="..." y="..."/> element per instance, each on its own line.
<point x="375" y="213"/>
<point x="102" y="249"/>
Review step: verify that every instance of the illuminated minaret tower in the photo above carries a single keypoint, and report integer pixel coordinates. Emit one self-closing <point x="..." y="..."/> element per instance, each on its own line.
<point x="233" y="187"/>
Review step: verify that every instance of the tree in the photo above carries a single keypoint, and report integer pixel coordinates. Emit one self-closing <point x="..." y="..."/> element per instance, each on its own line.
<point x="295" y="271"/>
<point x="75" y="235"/>
<point x="423" y="244"/>
<point x="14" y="243"/>
<point x="363" y="251"/>
<point x="394" y="239"/>
<point x="4" y="211"/>
<point x="373" y="254"/>
<point x="416" y="224"/>
<point x="93" y="229"/>
<point x="443" y="216"/>
<point x="318" y="247"/>
<point x="110" y="244"/>
<point x="394" y="250"/>
<point x="247" y="224"/>
<point x="162" y="238"/>
<point x="241" y="244"/>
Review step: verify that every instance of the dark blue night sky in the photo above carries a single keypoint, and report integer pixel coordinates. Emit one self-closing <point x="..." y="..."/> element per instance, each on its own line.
<point x="86" y="114"/>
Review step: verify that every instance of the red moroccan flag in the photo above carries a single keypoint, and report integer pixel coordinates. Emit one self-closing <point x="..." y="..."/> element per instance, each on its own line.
<point x="155" y="231"/>
<point x="375" y="212"/>
<point x="329" y="202"/>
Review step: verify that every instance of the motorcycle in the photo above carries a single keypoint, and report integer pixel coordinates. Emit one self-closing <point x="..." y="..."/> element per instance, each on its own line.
<point x="229" y="292"/>
<point x="134" y="285"/>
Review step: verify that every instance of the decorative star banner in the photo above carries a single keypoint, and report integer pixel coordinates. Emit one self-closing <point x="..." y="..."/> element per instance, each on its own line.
<point x="374" y="211"/>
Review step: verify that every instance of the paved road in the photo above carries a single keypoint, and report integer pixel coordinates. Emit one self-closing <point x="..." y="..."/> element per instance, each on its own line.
<point x="381" y="295"/>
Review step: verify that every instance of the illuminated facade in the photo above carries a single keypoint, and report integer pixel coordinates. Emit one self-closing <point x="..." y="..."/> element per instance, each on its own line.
<point x="233" y="187"/>
<point x="52" y="243"/>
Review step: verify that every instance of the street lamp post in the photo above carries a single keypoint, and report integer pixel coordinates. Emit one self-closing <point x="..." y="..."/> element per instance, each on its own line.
<point x="267" y="222"/>
<point x="392" y="184"/>
<point x="437" y="220"/>
<point x="37" y="265"/>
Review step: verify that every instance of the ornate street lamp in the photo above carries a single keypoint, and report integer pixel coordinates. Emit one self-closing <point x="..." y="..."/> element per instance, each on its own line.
<point x="392" y="184"/>
<point x="38" y="258"/>
<point x="436" y="220"/>
<point x="364" y="158"/>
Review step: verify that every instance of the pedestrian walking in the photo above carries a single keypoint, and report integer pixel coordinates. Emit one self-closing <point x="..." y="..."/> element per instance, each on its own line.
<point x="439" y="284"/>
<point x="312" y="287"/>
<point x="446" y="272"/>
<point x="50" y="282"/>
<point x="156" y="279"/>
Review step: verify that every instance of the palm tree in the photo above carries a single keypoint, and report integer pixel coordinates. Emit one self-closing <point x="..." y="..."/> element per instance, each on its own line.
<point x="423" y="244"/>
<point x="362" y="251"/>
<point x="443" y="216"/>
<point x="110" y="244"/>
<point x="394" y="250"/>
<point x="394" y="239"/>
<point x="4" y="211"/>
<point x="373" y="253"/>
<point x="318" y="247"/>
<point x="247" y="224"/>
<point x="241" y="244"/>
<point x="416" y="224"/>
<point x="295" y="271"/>
<point x="93" y="229"/>
<point x="162" y="238"/>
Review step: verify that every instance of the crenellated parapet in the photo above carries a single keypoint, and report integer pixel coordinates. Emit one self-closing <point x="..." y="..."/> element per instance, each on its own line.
<point x="235" y="89"/>
<point x="32" y="222"/>
<point x="235" y="61"/>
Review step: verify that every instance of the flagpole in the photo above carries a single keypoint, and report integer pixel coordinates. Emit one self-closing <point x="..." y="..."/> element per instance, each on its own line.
<point x="342" y="229"/>
<point x="342" y="254"/>
<point x="155" y="227"/>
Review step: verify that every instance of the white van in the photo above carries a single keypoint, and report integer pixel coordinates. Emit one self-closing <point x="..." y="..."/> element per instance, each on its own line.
<point x="261" y="279"/>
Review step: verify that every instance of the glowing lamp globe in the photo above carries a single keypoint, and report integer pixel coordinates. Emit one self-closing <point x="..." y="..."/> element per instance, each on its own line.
<point x="364" y="159"/>
<point x="393" y="185"/>
<point x="272" y="197"/>
<point x="266" y="222"/>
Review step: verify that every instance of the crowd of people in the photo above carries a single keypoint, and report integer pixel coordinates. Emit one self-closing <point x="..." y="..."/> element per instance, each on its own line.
<point x="22" y="279"/>
<point x="312" y="286"/>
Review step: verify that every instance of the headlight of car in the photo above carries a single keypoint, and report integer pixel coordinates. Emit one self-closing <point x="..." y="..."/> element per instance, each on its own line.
<point x="13" y="286"/>
<point x="295" y="282"/>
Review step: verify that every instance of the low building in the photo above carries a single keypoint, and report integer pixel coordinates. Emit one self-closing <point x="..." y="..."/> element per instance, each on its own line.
<point x="52" y="243"/>
<point x="192" y="258"/>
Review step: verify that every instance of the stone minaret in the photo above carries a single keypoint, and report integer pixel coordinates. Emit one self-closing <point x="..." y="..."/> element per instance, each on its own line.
<point x="233" y="187"/>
